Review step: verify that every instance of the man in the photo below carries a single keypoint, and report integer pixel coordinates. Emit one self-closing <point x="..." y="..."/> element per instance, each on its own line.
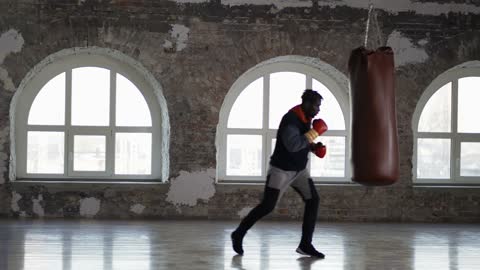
<point x="295" y="140"/>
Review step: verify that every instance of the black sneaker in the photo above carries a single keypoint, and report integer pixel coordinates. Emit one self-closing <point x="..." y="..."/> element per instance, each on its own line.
<point x="309" y="250"/>
<point x="237" y="240"/>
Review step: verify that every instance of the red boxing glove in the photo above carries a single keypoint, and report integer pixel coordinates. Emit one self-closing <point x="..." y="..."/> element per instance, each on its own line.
<point x="320" y="150"/>
<point x="318" y="128"/>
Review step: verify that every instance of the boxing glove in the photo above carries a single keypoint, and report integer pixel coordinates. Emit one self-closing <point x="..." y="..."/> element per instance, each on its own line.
<point x="318" y="128"/>
<point x="320" y="150"/>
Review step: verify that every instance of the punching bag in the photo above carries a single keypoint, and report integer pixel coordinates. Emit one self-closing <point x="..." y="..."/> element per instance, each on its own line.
<point x="374" y="143"/>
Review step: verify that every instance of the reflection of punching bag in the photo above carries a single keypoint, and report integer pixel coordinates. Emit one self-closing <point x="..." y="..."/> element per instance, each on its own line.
<point x="374" y="126"/>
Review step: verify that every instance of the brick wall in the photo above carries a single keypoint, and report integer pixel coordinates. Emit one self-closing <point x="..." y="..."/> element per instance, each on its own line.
<point x="196" y="73"/>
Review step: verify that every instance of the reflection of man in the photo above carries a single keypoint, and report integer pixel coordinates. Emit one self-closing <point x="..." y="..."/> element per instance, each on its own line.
<point x="237" y="262"/>
<point x="295" y="140"/>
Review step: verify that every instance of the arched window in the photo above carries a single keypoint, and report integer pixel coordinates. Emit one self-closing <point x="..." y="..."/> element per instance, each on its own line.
<point x="447" y="130"/>
<point x="255" y="104"/>
<point x="89" y="114"/>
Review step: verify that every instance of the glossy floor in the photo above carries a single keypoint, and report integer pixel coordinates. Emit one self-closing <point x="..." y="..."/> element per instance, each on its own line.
<point x="149" y="245"/>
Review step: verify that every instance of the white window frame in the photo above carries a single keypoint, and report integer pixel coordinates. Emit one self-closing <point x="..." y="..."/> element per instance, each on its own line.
<point x="313" y="68"/>
<point x="469" y="69"/>
<point x="65" y="61"/>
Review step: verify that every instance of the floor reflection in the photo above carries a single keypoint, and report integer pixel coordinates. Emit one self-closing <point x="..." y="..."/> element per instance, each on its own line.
<point x="431" y="252"/>
<point x="237" y="262"/>
<point x="151" y="245"/>
<point x="88" y="251"/>
<point x="468" y="251"/>
<point x="131" y="251"/>
<point x="87" y="248"/>
<point x="274" y="248"/>
<point x="43" y="250"/>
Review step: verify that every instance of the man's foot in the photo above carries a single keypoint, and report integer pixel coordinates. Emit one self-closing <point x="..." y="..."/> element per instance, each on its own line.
<point x="310" y="251"/>
<point x="237" y="240"/>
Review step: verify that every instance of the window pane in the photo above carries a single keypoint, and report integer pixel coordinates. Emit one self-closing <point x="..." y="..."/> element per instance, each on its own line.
<point x="90" y="96"/>
<point x="274" y="141"/>
<point x="433" y="160"/>
<point x="247" y="111"/>
<point x="333" y="164"/>
<point x="286" y="89"/>
<point x="330" y="110"/>
<point x="468" y="109"/>
<point x="133" y="153"/>
<point x="244" y="155"/>
<point x="45" y="152"/>
<point x="48" y="107"/>
<point x="89" y="153"/>
<point x="470" y="159"/>
<point x="436" y="114"/>
<point x="131" y="107"/>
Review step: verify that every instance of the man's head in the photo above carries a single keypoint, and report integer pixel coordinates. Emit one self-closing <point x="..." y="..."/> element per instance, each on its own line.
<point x="311" y="101"/>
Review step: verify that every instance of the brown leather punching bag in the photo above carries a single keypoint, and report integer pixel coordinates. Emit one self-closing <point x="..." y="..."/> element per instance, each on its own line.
<point x="374" y="143"/>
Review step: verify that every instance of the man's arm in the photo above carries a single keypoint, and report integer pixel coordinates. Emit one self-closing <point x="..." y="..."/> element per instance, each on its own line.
<point x="293" y="140"/>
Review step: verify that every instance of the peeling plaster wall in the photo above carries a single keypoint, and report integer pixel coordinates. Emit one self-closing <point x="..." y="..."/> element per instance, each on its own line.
<point x="405" y="51"/>
<point x="279" y="4"/>
<point x="4" y="135"/>
<point x="89" y="207"/>
<point x="418" y="7"/>
<point x="188" y="188"/>
<point x="137" y="208"/>
<point x="180" y="34"/>
<point x="196" y="49"/>
<point x="14" y="204"/>
<point x="178" y="38"/>
<point x="11" y="41"/>
<point x="37" y="206"/>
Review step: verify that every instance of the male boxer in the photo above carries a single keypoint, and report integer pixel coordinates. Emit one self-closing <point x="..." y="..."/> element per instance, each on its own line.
<point x="295" y="140"/>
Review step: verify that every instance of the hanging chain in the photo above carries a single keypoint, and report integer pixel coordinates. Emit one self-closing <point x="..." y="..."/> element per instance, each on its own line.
<point x="368" y="25"/>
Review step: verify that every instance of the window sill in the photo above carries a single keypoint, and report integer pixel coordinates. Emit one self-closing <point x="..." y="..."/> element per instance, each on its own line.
<point x="440" y="186"/>
<point x="86" y="185"/>
<point x="262" y="183"/>
<point x="88" y="181"/>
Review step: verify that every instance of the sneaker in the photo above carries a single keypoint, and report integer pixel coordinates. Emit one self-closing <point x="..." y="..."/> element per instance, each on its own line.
<point x="309" y="250"/>
<point x="237" y="240"/>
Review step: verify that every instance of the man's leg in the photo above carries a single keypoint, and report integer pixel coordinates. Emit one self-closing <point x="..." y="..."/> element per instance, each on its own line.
<point x="270" y="197"/>
<point x="306" y="189"/>
<point x="278" y="181"/>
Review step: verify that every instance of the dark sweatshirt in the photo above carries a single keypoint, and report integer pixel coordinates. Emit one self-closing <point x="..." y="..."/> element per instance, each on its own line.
<point x="292" y="148"/>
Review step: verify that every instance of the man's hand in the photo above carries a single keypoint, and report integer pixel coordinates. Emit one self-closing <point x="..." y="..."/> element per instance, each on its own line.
<point x="319" y="149"/>
<point x="318" y="128"/>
